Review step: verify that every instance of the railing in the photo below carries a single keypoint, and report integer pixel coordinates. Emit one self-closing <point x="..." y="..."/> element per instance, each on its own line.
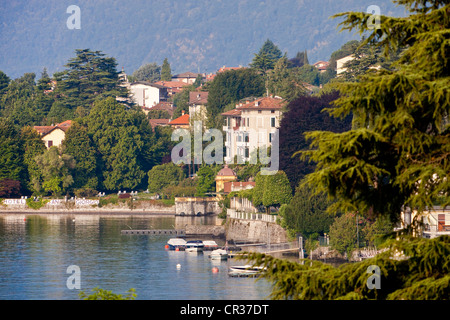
<point x="232" y="213"/>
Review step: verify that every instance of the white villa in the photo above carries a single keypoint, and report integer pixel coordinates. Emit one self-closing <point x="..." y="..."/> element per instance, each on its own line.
<point x="147" y="94"/>
<point x="250" y="126"/>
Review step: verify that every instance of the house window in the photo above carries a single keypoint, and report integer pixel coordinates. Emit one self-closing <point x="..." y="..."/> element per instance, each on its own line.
<point x="50" y="143"/>
<point x="247" y="152"/>
<point x="246" y="138"/>
<point x="272" y="111"/>
<point x="259" y="111"/>
<point x="243" y="122"/>
<point x="270" y="137"/>
<point x="272" y="122"/>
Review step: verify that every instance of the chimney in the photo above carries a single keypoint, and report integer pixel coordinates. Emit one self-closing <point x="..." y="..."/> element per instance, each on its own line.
<point x="182" y="112"/>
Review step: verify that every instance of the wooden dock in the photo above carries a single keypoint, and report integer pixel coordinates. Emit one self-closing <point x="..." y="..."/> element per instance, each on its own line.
<point x="171" y="232"/>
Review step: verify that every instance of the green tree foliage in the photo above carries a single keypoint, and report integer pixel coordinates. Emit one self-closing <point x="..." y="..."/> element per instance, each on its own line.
<point x="283" y="82"/>
<point x="11" y="152"/>
<point x="88" y="76"/>
<point x="271" y="190"/>
<point x="78" y="144"/>
<point x="206" y="181"/>
<point x="22" y="103"/>
<point x="32" y="147"/>
<point x="166" y="71"/>
<point x="303" y="115"/>
<point x="309" y="74"/>
<point x="343" y="234"/>
<point x="277" y="190"/>
<point x="397" y="153"/>
<point x="299" y="60"/>
<point x="232" y="86"/>
<point x="119" y="143"/>
<point x="102" y="294"/>
<point x="306" y="214"/>
<point x="4" y="82"/>
<point x="411" y="269"/>
<point x="267" y="57"/>
<point x="55" y="168"/>
<point x="150" y="72"/>
<point x="164" y="175"/>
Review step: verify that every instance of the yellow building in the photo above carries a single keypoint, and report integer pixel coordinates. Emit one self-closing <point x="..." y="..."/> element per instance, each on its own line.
<point x="224" y="175"/>
<point x="53" y="135"/>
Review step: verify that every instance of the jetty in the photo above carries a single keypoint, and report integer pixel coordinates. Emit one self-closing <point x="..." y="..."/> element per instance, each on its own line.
<point x="172" y="232"/>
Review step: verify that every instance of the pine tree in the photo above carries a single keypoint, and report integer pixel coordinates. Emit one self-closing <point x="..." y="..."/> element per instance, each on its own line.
<point x="89" y="76"/>
<point x="119" y="143"/>
<point x="166" y="71"/>
<point x="80" y="146"/>
<point x="266" y="58"/>
<point x="397" y="153"/>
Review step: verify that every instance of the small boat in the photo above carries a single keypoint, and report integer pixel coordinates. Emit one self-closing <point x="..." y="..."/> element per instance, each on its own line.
<point x="210" y="245"/>
<point x="176" y="244"/>
<point x="194" y="246"/>
<point x="219" y="254"/>
<point x="245" y="271"/>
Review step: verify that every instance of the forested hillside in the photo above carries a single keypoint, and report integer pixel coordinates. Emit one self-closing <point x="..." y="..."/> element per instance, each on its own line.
<point x="195" y="35"/>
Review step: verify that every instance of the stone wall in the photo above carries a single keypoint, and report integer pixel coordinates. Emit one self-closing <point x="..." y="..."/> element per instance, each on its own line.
<point x="196" y="206"/>
<point x="255" y="231"/>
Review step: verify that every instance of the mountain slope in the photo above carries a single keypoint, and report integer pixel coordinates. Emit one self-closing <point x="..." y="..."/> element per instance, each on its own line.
<point x="195" y="35"/>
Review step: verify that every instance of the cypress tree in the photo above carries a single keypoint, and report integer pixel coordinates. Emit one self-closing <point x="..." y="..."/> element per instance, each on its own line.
<point x="166" y="71"/>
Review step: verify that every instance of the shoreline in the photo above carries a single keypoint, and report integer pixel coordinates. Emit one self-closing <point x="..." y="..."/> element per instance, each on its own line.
<point x="90" y="211"/>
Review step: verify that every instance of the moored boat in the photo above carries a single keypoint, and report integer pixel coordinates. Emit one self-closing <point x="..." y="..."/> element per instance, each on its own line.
<point x="176" y="244"/>
<point x="210" y="245"/>
<point x="245" y="271"/>
<point x="194" y="246"/>
<point x="219" y="254"/>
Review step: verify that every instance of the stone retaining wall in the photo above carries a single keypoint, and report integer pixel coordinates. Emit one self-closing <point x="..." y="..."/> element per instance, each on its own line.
<point x="255" y="231"/>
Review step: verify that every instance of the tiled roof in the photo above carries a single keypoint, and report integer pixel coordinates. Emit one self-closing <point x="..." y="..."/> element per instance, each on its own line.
<point x="183" y="120"/>
<point x="263" y="103"/>
<point x="237" y="186"/>
<point x="158" y="122"/>
<point x="233" y="112"/>
<point x="172" y="84"/>
<point x="198" y="97"/>
<point x="151" y="84"/>
<point x="44" y="130"/>
<point x="186" y="75"/>
<point x="163" y="105"/>
<point x="226" y="172"/>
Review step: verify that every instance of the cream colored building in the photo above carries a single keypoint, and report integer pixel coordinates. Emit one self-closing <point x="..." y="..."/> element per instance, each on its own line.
<point x="250" y="126"/>
<point x="146" y="94"/>
<point x="432" y="223"/>
<point x="341" y="62"/>
<point x="224" y="175"/>
<point x="53" y="135"/>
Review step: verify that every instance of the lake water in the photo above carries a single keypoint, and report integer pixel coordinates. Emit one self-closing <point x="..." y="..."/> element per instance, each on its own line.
<point x="36" y="250"/>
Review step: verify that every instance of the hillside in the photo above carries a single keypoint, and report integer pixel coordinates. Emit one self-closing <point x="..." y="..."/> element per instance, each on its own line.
<point x="195" y="35"/>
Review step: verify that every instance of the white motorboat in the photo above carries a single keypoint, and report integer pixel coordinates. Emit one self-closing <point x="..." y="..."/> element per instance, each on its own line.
<point x="194" y="246"/>
<point x="176" y="244"/>
<point x="245" y="270"/>
<point x="210" y="245"/>
<point x="219" y="254"/>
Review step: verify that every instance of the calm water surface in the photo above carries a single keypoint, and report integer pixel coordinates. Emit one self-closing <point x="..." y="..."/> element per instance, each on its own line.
<point x="35" y="251"/>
